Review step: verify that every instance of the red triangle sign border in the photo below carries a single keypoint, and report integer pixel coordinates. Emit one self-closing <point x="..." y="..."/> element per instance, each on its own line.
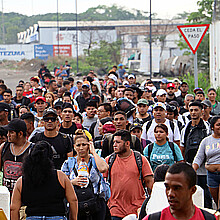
<point x="194" y="25"/>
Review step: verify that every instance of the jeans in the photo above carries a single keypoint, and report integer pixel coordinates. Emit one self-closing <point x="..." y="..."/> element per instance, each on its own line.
<point x="46" y="218"/>
<point x="213" y="179"/>
<point x="116" y="218"/>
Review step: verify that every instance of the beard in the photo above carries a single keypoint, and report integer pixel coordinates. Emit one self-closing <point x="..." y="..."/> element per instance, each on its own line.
<point x="171" y="93"/>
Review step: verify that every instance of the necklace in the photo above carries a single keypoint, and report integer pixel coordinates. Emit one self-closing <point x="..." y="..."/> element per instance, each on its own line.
<point x="13" y="152"/>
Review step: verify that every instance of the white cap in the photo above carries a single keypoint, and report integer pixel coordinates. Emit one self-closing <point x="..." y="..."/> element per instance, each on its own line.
<point x="131" y="76"/>
<point x="112" y="76"/>
<point x="161" y="92"/>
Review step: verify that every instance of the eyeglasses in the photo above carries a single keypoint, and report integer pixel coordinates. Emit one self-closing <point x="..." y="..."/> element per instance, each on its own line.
<point x="171" y="108"/>
<point x="100" y="111"/>
<point x="50" y="118"/>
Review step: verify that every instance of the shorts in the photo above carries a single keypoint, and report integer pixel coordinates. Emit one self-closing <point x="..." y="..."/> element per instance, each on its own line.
<point x="213" y="179"/>
<point x="46" y="218"/>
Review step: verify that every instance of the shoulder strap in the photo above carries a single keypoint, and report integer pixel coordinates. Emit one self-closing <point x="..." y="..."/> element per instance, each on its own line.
<point x="154" y="216"/>
<point x="150" y="148"/>
<point x="109" y="138"/>
<point x="133" y="139"/>
<point x="171" y="144"/>
<point x="148" y="125"/>
<point x="139" y="163"/>
<point x="172" y="127"/>
<point x="110" y="163"/>
<point x="5" y="147"/>
<point x="207" y="215"/>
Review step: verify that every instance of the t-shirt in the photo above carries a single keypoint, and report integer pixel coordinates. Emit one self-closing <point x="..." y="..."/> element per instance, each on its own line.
<point x="163" y="155"/>
<point x="209" y="150"/>
<point x="142" y="120"/>
<point x="150" y="133"/>
<point x="127" y="193"/>
<point x="69" y="131"/>
<point x="87" y="122"/>
<point x="61" y="146"/>
<point x="166" y="214"/>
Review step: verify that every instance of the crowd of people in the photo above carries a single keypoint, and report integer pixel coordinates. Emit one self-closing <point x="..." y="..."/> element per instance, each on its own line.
<point x="123" y="129"/>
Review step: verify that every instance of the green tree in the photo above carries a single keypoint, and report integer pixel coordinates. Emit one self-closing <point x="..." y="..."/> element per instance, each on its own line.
<point x="105" y="55"/>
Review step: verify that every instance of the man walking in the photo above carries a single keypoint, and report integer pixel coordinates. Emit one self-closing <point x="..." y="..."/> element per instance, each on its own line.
<point x="123" y="175"/>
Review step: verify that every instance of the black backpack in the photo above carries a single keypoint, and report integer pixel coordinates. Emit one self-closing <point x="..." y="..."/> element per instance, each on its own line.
<point x="207" y="215"/>
<point x="171" y="145"/>
<point x="192" y="140"/>
<point x="126" y="106"/>
<point x="139" y="163"/>
<point x="87" y="200"/>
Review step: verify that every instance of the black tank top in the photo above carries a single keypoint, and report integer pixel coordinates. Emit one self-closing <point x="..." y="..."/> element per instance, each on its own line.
<point x="44" y="200"/>
<point x="12" y="169"/>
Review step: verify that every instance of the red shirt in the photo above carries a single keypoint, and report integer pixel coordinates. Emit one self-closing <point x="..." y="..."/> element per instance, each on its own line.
<point x="127" y="193"/>
<point x="166" y="214"/>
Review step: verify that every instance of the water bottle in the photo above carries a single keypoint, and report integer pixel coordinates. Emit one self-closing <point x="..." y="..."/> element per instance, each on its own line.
<point x="83" y="170"/>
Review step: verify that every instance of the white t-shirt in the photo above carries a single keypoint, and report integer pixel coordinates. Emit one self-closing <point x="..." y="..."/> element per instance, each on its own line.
<point x="150" y="133"/>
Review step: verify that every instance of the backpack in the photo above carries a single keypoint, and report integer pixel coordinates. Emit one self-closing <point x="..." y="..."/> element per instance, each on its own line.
<point x="171" y="145"/>
<point x="125" y="105"/>
<point x="192" y="139"/>
<point x="87" y="200"/>
<point x="207" y="215"/>
<point x="150" y="122"/>
<point x="139" y="163"/>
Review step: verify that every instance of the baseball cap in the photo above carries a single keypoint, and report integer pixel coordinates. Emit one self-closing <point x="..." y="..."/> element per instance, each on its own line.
<point x="142" y="101"/>
<point x="86" y="83"/>
<point x="197" y="89"/>
<point x="161" y="92"/>
<point x="164" y="80"/>
<point x="16" y="124"/>
<point x="58" y="104"/>
<point x="47" y="80"/>
<point x="113" y="77"/>
<point x="176" y="80"/>
<point x="4" y="107"/>
<point x="159" y="104"/>
<point x="109" y="127"/>
<point x="207" y="103"/>
<point x="135" y="125"/>
<point x="79" y="81"/>
<point x="35" y="78"/>
<point x="131" y="76"/>
<point x="120" y="64"/>
<point x="171" y="85"/>
<point x="49" y="111"/>
<point x="40" y="98"/>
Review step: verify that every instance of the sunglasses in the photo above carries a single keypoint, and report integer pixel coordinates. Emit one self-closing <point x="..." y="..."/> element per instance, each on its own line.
<point x="53" y="119"/>
<point x="171" y="108"/>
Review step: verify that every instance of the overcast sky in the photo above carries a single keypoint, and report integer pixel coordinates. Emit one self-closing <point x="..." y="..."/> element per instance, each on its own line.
<point x="164" y="8"/>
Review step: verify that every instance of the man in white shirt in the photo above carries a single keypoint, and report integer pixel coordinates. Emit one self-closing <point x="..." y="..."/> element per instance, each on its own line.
<point x="159" y="113"/>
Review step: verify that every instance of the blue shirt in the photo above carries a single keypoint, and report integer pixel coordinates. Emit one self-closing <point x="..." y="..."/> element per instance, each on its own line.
<point x="163" y="155"/>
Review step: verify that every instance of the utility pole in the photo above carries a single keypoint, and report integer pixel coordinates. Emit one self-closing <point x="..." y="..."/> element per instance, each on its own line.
<point x="77" y="58"/>
<point x="150" y="42"/>
<point x="3" y="26"/>
<point x="58" y="34"/>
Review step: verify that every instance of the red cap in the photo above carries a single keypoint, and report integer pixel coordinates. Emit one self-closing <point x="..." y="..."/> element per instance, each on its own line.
<point x="47" y="80"/>
<point x="40" y="98"/>
<point x="171" y="85"/>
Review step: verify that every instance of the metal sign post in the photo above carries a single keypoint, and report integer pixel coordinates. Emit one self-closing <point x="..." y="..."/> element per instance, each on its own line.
<point x="193" y="35"/>
<point x="195" y="71"/>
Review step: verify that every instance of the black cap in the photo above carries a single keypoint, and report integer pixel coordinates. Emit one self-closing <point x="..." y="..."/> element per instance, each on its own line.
<point x="49" y="111"/>
<point x="16" y="124"/>
<point x="58" y="104"/>
<point x="135" y="125"/>
<point x="207" y="103"/>
<point x="67" y="105"/>
<point x="4" y="107"/>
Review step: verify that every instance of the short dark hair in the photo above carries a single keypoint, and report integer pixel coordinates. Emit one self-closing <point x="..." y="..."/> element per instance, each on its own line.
<point x="52" y="81"/>
<point x="121" y="113"/>
<point x="188" y="171"/>
<point x="128" y="89"/>
<point x="67" y="93"/>
<point x="39" y="90"/>
<point x="211" y="89"/>
<point x="124" y="134"/>
<point x="66" y="82"/>
<point x="107" y="107"/>
<point x="2" y="81"/>
<point x="71" y="79"/>
<point x="196" y="103"/>
<point x="110" y="89"/>
<point x="21" y="81"/>
<point x="28" y="116"/>
<point x="7" y="91"/>
<point x="200" y="92"/>
<point x="149" y="82"/>
<point x="20" y="86"/>
<point x="3" y="86"/>
<point x="160" y="172"/>
<point x="214" y="120"/>
<point x="91" y="104"/>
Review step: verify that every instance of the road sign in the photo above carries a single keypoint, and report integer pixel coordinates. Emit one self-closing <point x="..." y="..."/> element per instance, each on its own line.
<point x="193" y="34"/>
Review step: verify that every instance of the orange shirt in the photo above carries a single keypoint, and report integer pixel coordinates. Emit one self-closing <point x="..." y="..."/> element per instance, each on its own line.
<point x="127" y="193"/>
